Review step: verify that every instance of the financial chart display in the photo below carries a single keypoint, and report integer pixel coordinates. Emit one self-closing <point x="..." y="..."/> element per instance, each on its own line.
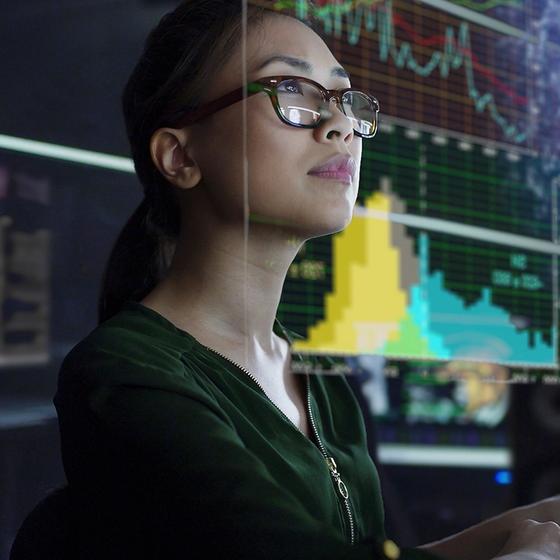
<point x="444" y="288"/>
<point x="452" y="253"/>
<point x="441" y="292"/>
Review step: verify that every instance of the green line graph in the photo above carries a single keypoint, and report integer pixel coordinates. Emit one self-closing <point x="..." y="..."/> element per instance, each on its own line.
<point x="488" y="4"/>
<point x="455" y="53"/>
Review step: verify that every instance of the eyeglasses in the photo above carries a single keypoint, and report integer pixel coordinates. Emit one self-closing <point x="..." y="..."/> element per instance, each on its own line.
<point x="300" y="102"/>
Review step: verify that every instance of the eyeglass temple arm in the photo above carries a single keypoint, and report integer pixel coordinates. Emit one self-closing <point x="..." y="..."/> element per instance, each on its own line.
<point x="213" y="106"/>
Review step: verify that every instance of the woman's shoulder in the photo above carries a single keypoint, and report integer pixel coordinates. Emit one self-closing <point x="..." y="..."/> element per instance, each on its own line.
<point x="133" y="347"/>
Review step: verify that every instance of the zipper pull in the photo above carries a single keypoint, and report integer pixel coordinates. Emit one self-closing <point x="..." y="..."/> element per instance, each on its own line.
<point x="336" y="475"/>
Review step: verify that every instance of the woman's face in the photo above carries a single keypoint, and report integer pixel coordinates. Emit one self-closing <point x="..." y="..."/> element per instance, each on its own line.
<point x="280" y="190"/>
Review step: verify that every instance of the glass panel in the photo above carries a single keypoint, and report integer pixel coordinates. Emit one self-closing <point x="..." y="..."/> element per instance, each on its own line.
<point x="432" y="283"/>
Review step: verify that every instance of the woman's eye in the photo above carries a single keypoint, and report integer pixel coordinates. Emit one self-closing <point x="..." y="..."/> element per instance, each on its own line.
<point x="290" y="87"/>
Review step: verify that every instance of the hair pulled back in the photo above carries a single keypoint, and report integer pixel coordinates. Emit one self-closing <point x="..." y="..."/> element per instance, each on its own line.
<point x="180" y="55"/>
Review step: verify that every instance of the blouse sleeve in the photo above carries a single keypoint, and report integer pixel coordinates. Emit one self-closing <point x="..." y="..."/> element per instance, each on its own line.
<point x="165" y="476"/>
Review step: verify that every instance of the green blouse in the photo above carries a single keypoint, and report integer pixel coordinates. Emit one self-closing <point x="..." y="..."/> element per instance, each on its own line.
<point x="173" y="451"/>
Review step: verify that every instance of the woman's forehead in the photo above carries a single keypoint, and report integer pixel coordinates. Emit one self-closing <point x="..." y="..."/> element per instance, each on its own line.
<point x="280" y="45"/>
<point x="283" y="35"/>
<point x="300" y="64"/>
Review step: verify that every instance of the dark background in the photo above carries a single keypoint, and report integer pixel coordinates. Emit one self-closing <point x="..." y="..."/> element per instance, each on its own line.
<point x="64" y="65"/>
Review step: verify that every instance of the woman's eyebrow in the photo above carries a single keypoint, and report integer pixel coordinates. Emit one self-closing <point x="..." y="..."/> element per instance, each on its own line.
<point x="301" y="64"/>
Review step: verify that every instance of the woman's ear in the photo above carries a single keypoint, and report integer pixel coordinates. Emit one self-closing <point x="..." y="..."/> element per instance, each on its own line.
<point x="169" y="149"/>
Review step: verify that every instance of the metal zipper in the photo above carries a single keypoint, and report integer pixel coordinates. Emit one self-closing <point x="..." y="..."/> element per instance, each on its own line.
<point x="331" y="464"/>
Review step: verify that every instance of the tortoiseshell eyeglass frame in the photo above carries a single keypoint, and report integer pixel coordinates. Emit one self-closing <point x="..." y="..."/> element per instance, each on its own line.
<point x="269" y="85"/>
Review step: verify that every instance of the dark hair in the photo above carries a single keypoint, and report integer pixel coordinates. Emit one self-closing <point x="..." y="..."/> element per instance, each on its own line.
<point x="180" y="54"/>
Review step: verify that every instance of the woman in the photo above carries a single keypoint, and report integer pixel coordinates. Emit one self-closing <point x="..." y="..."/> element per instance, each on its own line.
<point x="184" y="434"/>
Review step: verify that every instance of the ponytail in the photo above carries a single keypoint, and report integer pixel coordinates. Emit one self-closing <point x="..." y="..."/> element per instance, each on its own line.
<point x="138" y="261"/>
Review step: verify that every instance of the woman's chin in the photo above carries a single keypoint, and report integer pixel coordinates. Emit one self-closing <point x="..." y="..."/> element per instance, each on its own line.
<point x="335" y="224"/>
<point x="305" y="219"/>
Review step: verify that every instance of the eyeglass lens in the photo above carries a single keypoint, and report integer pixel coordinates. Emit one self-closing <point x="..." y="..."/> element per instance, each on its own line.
<point x="302" y="103"/>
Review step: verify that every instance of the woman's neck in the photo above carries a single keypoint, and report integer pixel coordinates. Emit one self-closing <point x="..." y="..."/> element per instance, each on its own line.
<point x="226" y="287"/>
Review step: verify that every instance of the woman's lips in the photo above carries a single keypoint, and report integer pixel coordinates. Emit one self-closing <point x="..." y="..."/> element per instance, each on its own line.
<point x="334" y="175"/>
<point x="339" y="163"/>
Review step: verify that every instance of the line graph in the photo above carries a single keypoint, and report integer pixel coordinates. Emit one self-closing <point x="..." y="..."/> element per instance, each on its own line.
<point x="450" y="53"/>
<point x="488" y="5"/>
